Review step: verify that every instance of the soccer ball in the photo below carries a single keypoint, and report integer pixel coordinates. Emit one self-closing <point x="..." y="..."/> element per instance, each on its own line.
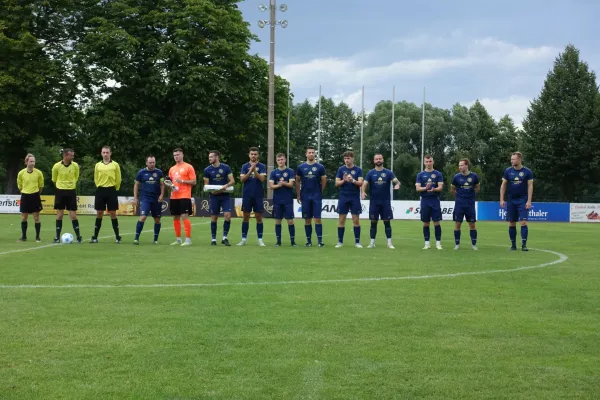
<point x="66" y="238"/>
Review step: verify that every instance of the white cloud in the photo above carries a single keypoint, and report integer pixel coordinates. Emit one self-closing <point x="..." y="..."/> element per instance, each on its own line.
<point x="515" y="106"/>
<point x="358" y="69"/>
<point x="353" y="99"/>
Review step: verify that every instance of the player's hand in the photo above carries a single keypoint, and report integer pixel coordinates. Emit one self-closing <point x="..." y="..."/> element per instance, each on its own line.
<point x="135" y="200"/>
<point x="527" y="205"/>
<point x="397" y="186"/>
<point x="428" y="187"/>
<point x="502" y="204"/>
<point x="363" y="195"/>
<point x="160" y="199"/>
<point x="299" y="201"/>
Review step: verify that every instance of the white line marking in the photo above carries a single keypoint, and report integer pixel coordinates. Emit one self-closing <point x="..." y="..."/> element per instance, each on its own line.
<point x="561" y="258"/>
<point x="61" y="244"/>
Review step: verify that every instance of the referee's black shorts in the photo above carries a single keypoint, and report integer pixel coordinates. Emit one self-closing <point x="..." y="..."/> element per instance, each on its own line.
<point x="30" y="203"/>
<point x="106" y="199"/>
<point x="65" y="199"/>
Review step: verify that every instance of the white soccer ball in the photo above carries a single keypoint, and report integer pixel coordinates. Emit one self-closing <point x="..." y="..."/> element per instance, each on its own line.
<point x="66" y="238"/>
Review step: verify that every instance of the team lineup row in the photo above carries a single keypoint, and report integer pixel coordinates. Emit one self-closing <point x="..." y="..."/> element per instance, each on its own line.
<point x="308" y="180"/>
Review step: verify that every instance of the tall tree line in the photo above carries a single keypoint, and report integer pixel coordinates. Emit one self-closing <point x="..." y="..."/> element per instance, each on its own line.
<point x="560" y="138"/>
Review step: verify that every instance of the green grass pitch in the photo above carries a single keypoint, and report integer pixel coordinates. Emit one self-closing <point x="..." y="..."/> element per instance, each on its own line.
<point x="112" y="321"/>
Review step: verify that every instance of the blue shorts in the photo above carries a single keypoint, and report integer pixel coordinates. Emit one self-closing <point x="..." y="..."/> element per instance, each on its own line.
<point x="250" y="204"/>
<point x="431" y="210"/>
<point x="148" y="207"/>
<point x="217" y="204"/>
<point x="346" y="205"/>
<point x="383" y="210"/>
<point x="281" y="211"/>
<point x="464" y="212"/>
<point x="516" y="211"/>
<point x="311" y="208"/>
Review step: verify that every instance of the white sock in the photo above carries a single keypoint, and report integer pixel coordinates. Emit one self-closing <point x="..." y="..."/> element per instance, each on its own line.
<point x="427" y="243"/>
<point x="438" y="243"/>
<point x="372" y="241"/>
<point x="389" y="241"/>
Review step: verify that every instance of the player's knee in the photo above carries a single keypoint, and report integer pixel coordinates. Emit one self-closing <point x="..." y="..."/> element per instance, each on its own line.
<point x="308" y="221"/>
<point x="317" y="220"/>
<point x="523" y="223"/>
<point x="387" y="224"/>
<point x="143" y="218"/>
<point x="472" y="225"/>
<point x="374" y="223"/>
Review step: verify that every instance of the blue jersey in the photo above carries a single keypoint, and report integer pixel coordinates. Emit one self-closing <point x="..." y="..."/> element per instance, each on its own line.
<point x="380" y="183"/>
<point x="218" y="175"/>
<point x="518" y="180"/>
<point x="310" y="178"/>
<point x="465" y="188"/>
<point x="434" y="177"/>
<point x="253" y="187"/>
<point x="282" y="195"/>
<point x="349" y="189"/>
<point x="150" y="183"/>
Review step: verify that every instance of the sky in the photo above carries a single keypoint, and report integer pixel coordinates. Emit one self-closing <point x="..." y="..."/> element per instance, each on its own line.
<point x="459" y="51"/>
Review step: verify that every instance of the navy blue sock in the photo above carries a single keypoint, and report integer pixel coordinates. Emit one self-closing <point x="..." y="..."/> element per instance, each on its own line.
<point x="388" y="229"/>
<point x="524" y="234"/>
<point x="226" y="226"/>
<point x="473" y="233"/>
<point x="357" y="234"/>
<point x="75" y="223"/>
<point x="426" y="233"/>
<point x="319" y="231"/>
<point x="512" y="234"/>
<point x="292" y="229"/>
<point x="259" y="229"/>
<point x="438" y="232"/>
<point x="373" y="230"/>
<point x="278" y="232"/>
<point x="457" y="237"/>
<point x="213" y="230"/>
<point x="245" y="228"/>
<point x="138" y="229"/>
<point x="341" y="232"/>
<point x="156" y="230"/>
<point x="308" y="231"/>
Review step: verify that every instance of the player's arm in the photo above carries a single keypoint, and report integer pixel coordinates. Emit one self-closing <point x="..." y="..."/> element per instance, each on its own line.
<point x="136" y="186"/>
<point x="96" y="175"/>
<point x="363" y="189"/>
<point x="162" y="189"/>
<point x="274" y="185"/>
<point x="289" y="184"/>
<point x="41" y="181"/>
<point x="55" y="172"/>
<point x="261" y="175"/>
<point x="358" y="181"/>
<point x="529" y="191"/>
<point x="323" y="183"/>
<point x="231" y="181"/>
<point x="298" y="189"/>
<point x="439" y="188"/>
<point x="477" y="188"/>
<point x="205" y="181"/>
<point x="396" y="183"/>
<point x="339" y="179"/>
<point x="244" y="174"/>
<point x="117" y="176"/>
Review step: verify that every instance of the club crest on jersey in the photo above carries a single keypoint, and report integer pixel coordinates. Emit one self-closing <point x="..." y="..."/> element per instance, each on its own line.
<point x="383" y="174"/>
<point x="521" y="174"/>
<point x="353" y="172"/>
<point x="469" y="180"/>
<point x="433" y="176"/>
<point x="314" y="168"/>
<point x="285" y="174"/>
<point x="220" y="171"/>
<point x="154" y="175"/>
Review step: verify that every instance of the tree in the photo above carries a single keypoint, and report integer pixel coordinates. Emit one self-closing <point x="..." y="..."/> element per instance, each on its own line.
<point x="561" y="139"/>
<point x="182" y="77"/>
<point x="37" y="83"/>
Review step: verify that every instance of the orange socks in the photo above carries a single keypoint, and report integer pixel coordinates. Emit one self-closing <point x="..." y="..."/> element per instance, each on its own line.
<point x="177" y="226"/>
<point x="187" y="225"/>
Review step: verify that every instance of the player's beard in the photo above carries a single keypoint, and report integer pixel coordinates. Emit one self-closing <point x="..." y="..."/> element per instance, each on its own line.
<point x="378" y="164"/>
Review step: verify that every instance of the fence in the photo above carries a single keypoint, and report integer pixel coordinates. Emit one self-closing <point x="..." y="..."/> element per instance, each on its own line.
<point x="403" y="209"/>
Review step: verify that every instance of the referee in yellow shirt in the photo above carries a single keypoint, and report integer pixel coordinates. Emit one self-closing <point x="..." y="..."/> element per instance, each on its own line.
<point x="30" y="182"/>
<point x="107" y="177"/>
<point x="65" y="175"/>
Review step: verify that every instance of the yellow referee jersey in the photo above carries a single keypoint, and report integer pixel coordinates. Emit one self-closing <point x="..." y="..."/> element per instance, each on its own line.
<point x="30" y="182"/>
<point x="65" y="176"/>
<point x="107" y="175"/>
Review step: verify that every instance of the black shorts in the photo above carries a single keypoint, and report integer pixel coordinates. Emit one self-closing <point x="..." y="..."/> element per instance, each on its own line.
<point x="30" y="203"/>
<point x="106" y="198"/>
<point x="65" y="199"/>
<point x="180" y="206"/>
